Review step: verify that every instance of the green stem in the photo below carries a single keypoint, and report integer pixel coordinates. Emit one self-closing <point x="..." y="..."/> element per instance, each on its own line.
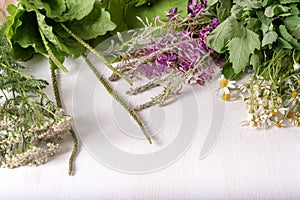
<point x="117" y="97"/>
<point x="90" y="48"/>
<point x="59" y="103"/>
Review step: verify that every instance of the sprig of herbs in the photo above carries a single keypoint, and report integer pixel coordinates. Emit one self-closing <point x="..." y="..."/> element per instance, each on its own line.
<point x="32" y="127"/>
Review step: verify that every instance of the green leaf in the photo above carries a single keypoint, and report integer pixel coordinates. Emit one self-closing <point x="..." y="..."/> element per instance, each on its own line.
<point x="220" y="36"/>
<point x="223" y="10"/>
<point x="97" y="23"/>
<point x="141" y="2"/>
<point x="116" y="8"/>
<point x="157" y="8"/>
<point x="264" y="20"/>
<point x="227" y="70"/>
<point x="23" y="34"/>
<point x="249" y="3"/>
<point x="275" y="10"/>
<point x="236" y="11"/>
<point x="269" y="38"/>
<point x="53" y="8"/>
<point x="255" y="60"/>
<point x="296" y="32"/>
<point x="288" y="1"/>
<point x="240" y="50"/>
<point x="211" y="2"/>
<point x="288" y="37"/>
<point x="76" y="10"/>
<point x="67" y="45"/>
<point x="291" y="22"/>
<point x="282" y="43"/>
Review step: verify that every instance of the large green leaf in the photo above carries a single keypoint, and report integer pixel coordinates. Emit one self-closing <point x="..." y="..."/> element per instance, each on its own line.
<point x="240" y="50"/>
<point x="97" y="23"/>
<point x="220" y="36"/>
<point x="67" y="45"/>
<point x="53" y="8"/>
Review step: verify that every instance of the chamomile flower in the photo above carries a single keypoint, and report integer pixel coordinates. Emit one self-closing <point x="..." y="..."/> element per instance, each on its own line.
<point x="226" y="85"/>
<point x="296" y="66"/>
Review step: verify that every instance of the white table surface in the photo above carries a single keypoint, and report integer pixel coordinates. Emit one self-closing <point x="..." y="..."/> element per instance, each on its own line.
<point x="244" y="164"/>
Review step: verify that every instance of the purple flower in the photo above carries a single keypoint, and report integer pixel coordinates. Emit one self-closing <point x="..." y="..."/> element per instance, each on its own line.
<point x="171" y="14"/>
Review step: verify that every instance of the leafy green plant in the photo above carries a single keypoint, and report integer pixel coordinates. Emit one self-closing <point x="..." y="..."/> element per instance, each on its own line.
<point x="253" y="31"/>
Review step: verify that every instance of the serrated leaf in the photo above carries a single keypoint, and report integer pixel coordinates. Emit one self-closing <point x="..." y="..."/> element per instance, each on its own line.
<point x="221" y="35"/>
<point x="269" y="38"/>
<point x="240" y="50"/>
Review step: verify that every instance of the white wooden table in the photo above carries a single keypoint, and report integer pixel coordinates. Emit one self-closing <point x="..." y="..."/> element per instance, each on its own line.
<point x="244" y="163"/>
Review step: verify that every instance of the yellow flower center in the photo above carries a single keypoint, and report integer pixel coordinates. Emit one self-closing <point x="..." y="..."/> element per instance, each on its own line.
<point x="278" y="124"/>
<point x="294" y="94"/>
<point x="273" y="112"/>
<point x="289" y="115"/>
<point x="226" y="97"/>
<point x="223" y="83"/>
<point x="299" y="82"/>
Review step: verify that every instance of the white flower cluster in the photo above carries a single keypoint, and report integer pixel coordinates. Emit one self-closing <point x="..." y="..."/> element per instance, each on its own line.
<point x="269" y="103"/>
<point x="24" y="142"/>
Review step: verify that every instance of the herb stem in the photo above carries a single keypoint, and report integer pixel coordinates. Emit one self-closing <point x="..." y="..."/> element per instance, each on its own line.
<point x="73" y="134"/>
<point x="90" y="48"/>
<point x="117" y="97"/>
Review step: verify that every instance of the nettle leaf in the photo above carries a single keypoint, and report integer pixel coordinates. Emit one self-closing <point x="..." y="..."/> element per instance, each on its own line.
<point x="269" y="38"/>
<point x="275" y="10"/>
<point x="240" y="50"/>
<point x="288" y="37"/>
<point x="97" y="23"/>
<point x="220" y="36"/>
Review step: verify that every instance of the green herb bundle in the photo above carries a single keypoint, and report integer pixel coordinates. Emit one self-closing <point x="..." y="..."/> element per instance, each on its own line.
<point x="252" y="31"/>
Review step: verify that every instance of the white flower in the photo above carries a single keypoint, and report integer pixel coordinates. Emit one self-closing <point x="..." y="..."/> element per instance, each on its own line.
<point x="226" y="84"/>
<point x="296" y="66"/>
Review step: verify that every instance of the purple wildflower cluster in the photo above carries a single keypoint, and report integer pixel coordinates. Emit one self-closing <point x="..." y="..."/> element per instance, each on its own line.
<point x="178" y="52"/>
<point x="188" y="46"/>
